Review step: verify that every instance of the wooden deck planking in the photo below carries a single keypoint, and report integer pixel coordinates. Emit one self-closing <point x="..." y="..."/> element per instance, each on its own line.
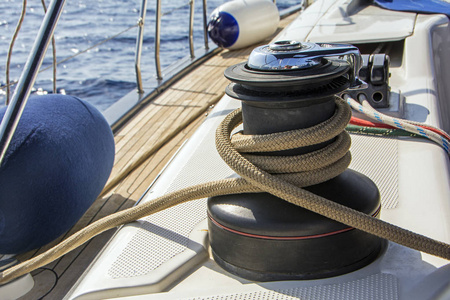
<point x="161" y="103"/>
<point x="165" y="103"/>
<point x="164" y="125"/>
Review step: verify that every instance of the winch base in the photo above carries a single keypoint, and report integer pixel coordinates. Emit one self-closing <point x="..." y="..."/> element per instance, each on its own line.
<point x="261" y="237"/>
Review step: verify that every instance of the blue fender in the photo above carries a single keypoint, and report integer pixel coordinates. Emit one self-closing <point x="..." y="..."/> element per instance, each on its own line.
<point x="240" y="23"/>
<point x="57" y="164"/>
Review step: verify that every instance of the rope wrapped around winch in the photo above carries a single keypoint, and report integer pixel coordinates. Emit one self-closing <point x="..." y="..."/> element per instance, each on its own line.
<point x="292" y="173"/>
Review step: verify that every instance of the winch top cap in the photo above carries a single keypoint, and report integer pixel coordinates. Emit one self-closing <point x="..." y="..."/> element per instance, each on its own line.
<point x="283" y="55"/>
<point x="293" y="55"/>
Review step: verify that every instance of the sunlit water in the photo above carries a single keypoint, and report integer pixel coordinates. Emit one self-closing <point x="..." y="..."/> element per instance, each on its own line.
<point x="105" y="73"/>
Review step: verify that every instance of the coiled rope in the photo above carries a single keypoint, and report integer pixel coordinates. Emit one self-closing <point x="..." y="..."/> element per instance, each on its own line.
<point x="316" y="167"/>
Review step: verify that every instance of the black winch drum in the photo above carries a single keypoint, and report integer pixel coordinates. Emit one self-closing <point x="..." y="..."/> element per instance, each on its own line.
<point x="261" y="237"/>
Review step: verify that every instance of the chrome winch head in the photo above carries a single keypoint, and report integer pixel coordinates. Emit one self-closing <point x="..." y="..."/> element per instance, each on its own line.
<point x="301" y="77"/>
<point x="293" y="55"/>
<point x="309" y="68"/>
<point x="282" y="56"/>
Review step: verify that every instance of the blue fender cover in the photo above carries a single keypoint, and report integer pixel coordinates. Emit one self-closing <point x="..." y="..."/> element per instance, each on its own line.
<point x="223" y="29"/>
<point x="58" y="162"/>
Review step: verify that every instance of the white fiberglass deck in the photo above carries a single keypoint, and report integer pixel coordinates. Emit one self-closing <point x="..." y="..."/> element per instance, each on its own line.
<point x="151" y="255"/>
<point x="166" y="256"/>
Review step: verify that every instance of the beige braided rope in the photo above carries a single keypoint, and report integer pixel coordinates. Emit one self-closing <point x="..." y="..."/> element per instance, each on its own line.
<point x="254" y="179"/>
<point x="294" y="194"/>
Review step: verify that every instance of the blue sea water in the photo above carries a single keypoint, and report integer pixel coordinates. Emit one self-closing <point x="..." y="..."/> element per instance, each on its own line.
<point x="105" y="73"/>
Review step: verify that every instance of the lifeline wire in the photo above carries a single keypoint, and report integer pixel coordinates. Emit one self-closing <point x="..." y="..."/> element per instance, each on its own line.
<point x="11" y="45"/>
<point x="8" y="84"/>
<point x="253" y="179"/>
<point x="406" y="125"/>
<point x="53" y="52"/>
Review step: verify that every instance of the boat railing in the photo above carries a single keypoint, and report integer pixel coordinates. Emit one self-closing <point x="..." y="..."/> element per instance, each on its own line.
<point x="159" y="15"/>
<point x="42" y="41"/>
<point x="116" y="114"/>
<point x="26" y="81"/>
<point x="139" y="42"/>
<point x="121" y="111"/>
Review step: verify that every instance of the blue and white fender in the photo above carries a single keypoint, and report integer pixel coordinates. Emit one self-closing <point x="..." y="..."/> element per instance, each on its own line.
<point x="241" y="23"/>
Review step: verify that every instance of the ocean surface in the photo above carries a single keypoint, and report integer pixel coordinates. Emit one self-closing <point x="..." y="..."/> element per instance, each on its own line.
<point x="105" y="73"/>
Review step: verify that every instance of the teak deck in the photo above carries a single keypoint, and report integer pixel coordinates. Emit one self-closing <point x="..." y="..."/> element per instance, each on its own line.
<point x="143" y="147"/>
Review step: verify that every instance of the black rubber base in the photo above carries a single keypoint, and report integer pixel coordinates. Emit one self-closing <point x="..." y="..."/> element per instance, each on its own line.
<point x="256" y="275"/>
<point x="261" y="237"/>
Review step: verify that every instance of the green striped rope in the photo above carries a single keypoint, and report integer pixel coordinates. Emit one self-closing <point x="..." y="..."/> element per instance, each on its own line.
<point x="355" y="129"/>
